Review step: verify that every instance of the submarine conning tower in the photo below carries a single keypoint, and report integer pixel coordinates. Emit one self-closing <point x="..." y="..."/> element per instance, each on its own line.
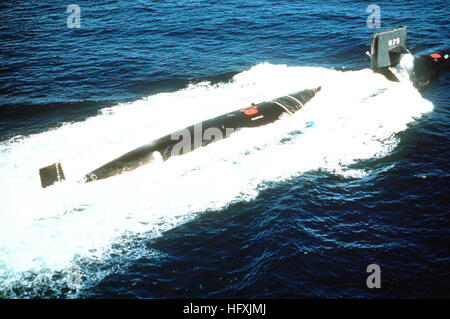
<point x="387" y="46"/>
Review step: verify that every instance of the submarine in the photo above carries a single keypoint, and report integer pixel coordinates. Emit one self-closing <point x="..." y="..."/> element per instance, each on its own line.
<point x="387" y="48"/>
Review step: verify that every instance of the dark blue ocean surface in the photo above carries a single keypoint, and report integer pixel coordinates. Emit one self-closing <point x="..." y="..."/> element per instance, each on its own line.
<point x="310" y="234"/>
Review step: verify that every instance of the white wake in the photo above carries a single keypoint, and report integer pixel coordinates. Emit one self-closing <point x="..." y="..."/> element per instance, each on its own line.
<point x="355" y="116"/>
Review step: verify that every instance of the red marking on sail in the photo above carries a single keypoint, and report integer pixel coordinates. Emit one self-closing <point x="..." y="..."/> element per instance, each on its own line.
<point x="251" y="111"/>
<point x="435" y="55"/>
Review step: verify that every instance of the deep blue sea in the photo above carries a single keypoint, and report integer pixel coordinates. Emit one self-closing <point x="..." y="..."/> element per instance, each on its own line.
<point x="296" y="209"/>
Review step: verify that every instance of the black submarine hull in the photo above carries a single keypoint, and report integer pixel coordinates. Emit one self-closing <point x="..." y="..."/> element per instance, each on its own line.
<point x="203" y="133"/>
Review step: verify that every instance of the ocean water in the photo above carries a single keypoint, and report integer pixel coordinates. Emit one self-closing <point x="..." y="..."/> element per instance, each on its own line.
<point x="295" y="209"/>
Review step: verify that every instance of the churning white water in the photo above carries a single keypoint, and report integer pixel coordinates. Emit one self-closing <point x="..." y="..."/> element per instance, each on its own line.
<point x="355" y="116"/>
